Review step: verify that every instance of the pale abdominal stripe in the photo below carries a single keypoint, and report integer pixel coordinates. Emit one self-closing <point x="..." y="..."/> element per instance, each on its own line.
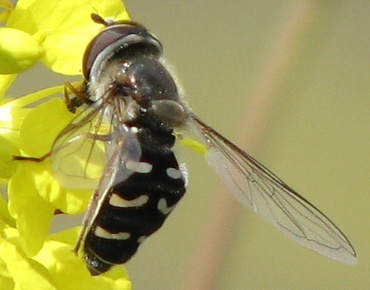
<point x="174" y="173"/>
<point x="117" y="201"/>
<point x="139" y="167"/>
<point x="102" y="233"/>
<point x="163" y="207"/>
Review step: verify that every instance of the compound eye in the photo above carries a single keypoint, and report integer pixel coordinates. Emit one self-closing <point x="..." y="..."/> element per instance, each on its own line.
<point x="103" y="41"/>
<point x="111" y="40"/>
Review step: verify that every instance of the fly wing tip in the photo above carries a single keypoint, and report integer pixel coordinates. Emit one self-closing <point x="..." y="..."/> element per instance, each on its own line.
<point x="345" y="256"/>
<point x="350" y="259"/>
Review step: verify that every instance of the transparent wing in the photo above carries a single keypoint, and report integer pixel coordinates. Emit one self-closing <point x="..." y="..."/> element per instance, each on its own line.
<point x="114" y="172"/>
<point x="81" y="152"/>
<point x="256" y="186"/>
<point x="78" y="155"/>
<point x="92" y="152"/>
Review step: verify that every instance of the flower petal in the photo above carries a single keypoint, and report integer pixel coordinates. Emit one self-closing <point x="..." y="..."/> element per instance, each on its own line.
<point x="66" y="25"/>
<point x="67" y="200"/>
<point x="40" y="128"/>
<point x="18" y="51"/>
<point x="5" y="8"/>
<point x="6" y="281"/>
<point x="42" y="125"/>
<point x="5" y="217"/>
<point x="5" y="82"/>
<point x="69" y="270"/>
<point x="68" y="236"/>
<point x="25" y="272"/>
<point x="32" y="213"/>
<point x="7" y="151"/>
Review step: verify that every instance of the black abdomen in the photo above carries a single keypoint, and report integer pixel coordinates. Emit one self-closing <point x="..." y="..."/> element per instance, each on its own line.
<point x="138" y="206"/>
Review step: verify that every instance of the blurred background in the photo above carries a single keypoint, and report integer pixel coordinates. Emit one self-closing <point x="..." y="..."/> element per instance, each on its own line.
<point x="288" y="81"/>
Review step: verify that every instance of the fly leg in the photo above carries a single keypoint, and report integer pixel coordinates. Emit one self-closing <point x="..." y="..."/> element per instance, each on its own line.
<point x="80" y="97"/>
<point x="33" y="159"/>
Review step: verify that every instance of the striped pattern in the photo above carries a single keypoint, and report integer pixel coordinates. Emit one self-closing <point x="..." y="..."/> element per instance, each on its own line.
<point x="138" y="206"/>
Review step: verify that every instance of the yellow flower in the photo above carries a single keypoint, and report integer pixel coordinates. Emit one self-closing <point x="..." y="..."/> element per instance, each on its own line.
<point x="55" y="266"/>
<point x="55" y="32"/>
<point x="32" y="186"/>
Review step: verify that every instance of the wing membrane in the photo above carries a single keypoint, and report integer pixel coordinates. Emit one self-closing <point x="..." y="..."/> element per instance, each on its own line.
<point x="115" y="171"/>
<point x="254" y="185"/>
<point x="92" y="150"/>
<point x="78" y="156"/>
<point x="81" y="151"/>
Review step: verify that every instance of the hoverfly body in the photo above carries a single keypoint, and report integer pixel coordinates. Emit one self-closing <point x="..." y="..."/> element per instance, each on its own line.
<point x="132" y="109"/>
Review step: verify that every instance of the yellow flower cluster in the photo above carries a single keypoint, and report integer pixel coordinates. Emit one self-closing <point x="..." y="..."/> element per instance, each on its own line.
<point x="54" y="32"/>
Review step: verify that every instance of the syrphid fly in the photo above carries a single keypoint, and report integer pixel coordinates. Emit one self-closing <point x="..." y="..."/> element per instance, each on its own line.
<point x="133" y="112"/>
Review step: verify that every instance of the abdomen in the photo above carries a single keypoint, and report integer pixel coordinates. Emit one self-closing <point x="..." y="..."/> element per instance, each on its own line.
<point x="134" y="208"/>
